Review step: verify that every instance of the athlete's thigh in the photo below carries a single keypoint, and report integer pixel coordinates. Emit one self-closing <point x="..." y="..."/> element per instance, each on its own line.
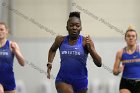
<point x="63" y="87"/>
<point x="124" y="91"/>
<point x="13" y="91"/>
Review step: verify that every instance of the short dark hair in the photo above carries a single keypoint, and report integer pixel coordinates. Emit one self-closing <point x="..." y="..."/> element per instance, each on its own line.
<point x="74" y="14"/>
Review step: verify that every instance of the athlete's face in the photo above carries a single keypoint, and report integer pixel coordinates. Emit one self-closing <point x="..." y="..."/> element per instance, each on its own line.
<point x="74" y="27"/>
<point x="131" y="38"/>
<point x="3" y="31"/>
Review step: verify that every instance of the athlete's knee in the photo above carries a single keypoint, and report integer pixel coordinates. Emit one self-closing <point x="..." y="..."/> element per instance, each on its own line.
<point x="1" y="89"/>
<point x="124" y="91"/>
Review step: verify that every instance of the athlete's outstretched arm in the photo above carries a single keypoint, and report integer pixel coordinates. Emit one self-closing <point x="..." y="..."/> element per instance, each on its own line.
<point x="52" y="52"/>
<point x="117" y="69"/>
<point x="91" y="49"/>
<point x="16" y="50"/>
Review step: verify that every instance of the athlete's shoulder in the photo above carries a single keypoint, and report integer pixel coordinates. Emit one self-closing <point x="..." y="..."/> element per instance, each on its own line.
<point x="119" y="53"/>
<point x="59" y="38"/>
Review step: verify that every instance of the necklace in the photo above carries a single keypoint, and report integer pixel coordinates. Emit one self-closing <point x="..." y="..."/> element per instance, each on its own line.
<point x="0" y="45"/>
<point x="131" y="50"/>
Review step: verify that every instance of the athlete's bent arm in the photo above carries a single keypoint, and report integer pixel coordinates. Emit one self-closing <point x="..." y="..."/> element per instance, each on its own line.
<point x="16" y="50"/>
<point x="96" y="58"/>
<point x="52" y="52"/>
<point x="117" y="68"/>
<point x="91" y="49"/>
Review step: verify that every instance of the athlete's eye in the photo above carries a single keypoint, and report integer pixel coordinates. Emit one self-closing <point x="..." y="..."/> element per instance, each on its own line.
<point x="1" y="29"/>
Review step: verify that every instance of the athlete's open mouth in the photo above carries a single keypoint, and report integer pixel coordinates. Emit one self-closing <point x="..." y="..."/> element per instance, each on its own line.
<point x="74" y="33"/>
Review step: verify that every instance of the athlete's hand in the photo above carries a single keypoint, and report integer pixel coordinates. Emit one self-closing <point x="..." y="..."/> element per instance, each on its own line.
<point x="13" y="46"/>
<point x="121" y="68"/>
<point x="89" y="43"/>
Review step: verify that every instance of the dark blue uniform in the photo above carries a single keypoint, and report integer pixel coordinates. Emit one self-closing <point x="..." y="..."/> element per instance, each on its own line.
<point x="73" y="64"/>
<point x="6" y="67"/>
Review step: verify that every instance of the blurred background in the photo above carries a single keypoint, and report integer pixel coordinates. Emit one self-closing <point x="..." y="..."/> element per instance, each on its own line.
<point x="34" y="24"/>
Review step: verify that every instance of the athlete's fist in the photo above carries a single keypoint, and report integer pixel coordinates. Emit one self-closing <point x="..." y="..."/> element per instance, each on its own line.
<point x="89" y="42"/>
<point x="13" y="46"/>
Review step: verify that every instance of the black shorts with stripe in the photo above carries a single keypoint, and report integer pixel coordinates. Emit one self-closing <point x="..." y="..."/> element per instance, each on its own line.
<point x="132" y="85"/>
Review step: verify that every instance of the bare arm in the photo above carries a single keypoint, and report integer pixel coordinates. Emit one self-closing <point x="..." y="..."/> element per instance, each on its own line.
<point x="91" y="49"/>
<point x="16" y="50"/>
<point x="117" y="68"/>
<point x="52" y="52"/>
